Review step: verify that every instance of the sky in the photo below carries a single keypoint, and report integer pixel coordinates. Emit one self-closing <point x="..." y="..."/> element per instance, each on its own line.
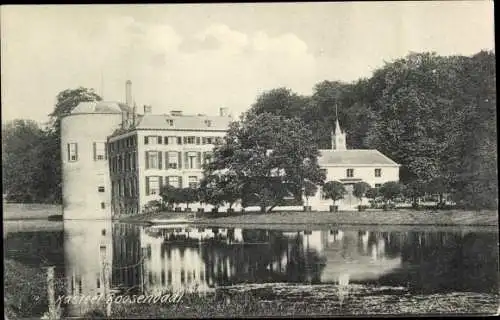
<point x="200" y="57"/>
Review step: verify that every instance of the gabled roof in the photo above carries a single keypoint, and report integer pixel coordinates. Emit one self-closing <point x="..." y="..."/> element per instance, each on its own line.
<point x="100" y="107"/>
<point x="353" y="157"/>
<point x="185" y="122"/>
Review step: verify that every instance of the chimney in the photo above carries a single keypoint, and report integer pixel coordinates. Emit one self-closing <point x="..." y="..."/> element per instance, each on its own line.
<point x="147" y="109"/>
<point x="128" y="93"/>
<point x="223" y="112"/>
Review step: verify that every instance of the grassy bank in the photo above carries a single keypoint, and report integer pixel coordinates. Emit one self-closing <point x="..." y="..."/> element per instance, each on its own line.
<point x="395" y="217"/>
<point x="29" y="211"/>
<point x="302" y="300"/>
<point x="25" y="290"/>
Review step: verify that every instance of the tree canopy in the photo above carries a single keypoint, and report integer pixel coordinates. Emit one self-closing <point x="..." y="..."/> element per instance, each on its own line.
<point x="269" y="156"/>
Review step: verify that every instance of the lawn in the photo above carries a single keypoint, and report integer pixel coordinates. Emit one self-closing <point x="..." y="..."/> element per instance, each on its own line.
<point x="369" y="217"/>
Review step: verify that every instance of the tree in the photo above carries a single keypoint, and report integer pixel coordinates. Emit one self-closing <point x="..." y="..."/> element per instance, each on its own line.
<point x="390" y="190"/>
<point x="21" y="166"/>
<point x="360" y="190"/>
<point x="372" y="193"/>
<point x="170" y="195"/>
<point x="334" y="190"/>
<point x="270" y="157"/>
<point x="187" y="196"/>
<point x="210" y="192"/>
<point x="310" y="190"/>
<point x="413" y="190"/>
<point x="69" y="99"/>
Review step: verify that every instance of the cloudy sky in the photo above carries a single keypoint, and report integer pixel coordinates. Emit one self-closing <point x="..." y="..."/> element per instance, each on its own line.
<point x="201" y="57"/>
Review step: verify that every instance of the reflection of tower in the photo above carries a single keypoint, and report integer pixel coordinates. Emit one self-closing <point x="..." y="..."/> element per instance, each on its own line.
<point x="83" y="259"/>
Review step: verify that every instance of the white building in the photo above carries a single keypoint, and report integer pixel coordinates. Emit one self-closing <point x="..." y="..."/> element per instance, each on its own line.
<point x="350" y="166"/>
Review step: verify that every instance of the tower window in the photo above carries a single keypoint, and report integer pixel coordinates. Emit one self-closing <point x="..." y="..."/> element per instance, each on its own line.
<point x="103" y="205"/>
<point x="99" y="151"/>
<point x="350" y="173"/>
<point x="72" y="152"/>
<point x="378" y="172"/>
<point x="100" y="188"/>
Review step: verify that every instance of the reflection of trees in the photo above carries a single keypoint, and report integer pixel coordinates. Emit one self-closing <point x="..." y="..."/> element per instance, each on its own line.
<point x="445" y="262"/>
<point x="266" y="256"/>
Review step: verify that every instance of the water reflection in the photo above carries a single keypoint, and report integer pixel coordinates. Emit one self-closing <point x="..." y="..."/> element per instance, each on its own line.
<point x="88" y="248"/>
<point x="155" y="259"/>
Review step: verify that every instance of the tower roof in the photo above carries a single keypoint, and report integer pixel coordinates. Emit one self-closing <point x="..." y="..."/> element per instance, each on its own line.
<point x="100" y="107"/>
<point x="337" y="127"/>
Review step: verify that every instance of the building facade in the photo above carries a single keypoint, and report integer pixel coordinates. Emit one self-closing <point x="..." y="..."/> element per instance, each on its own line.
<point x="114" y="160"/>
<point x="350" y="166"/>
<point x="159" y="150"/>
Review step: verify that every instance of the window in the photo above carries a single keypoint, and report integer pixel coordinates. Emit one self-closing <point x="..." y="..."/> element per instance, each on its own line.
<point x="191" y="158"/>
<point x="208" y="123"/>
<point x="173" y="158"/>
<point x="193" y="182"/>
<point x="103" y="205"/>
<point x="72" y="152"/>
<point x="350" y="173"/>
<point x="153" y="185"/>
<point x="152" y="160"/>
<point x="378" y="172"/>
<point x="100" y="188"/>
<point x="174" y="181"/>
<point x="189" y="140"/>
<point x="171" y="140"/>
<point x="377" y="185"/>
<point x="170" y="122"/>
<point x="179" y="140"/>
<point x="198" y="140"/>
<point x="152" y="139"/>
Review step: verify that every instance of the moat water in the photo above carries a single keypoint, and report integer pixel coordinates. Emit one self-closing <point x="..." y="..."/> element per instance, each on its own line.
<point x="154" y="260"/>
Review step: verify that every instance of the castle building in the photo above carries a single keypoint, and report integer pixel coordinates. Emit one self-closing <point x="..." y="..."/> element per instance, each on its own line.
<point x="114" y="160"/>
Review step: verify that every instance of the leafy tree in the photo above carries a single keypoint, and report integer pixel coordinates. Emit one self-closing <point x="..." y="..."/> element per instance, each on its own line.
<point x="187" y="196"/>
<point x="413" y="190"/>
<point x="360" y="190"/>
<point x="69" y="99"/>
<point x="310" y="190"/>
<point x="21" y="151"/>
<point x="372" y="193"/>
<point x="390" y="190"/>
<point x="210" y="192"/>
<point x="170" y="195"/>
<point x="334" y="190"/>
<point x="281" y="102"/>
<point x="270" y="156"/>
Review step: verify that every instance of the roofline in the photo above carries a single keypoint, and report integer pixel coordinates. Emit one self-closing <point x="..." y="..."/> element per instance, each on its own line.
<point x="86" y="113"/>
<point x="358" y="165"/>
<point x="134" y="130"/>
<point x="179" y="129"/>
<point x="383" y="155"/>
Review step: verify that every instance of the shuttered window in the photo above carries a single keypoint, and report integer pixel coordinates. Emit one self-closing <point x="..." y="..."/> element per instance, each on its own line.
<point x="72" y="152"/>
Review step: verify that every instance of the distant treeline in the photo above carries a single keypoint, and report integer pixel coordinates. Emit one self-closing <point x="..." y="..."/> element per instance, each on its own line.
<point x="435" y="115"/>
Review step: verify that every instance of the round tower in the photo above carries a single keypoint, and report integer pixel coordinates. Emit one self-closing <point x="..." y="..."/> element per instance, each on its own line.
<point x="85" y="170"/>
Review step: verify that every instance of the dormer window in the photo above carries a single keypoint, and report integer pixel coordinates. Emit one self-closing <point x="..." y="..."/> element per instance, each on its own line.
<point x="170" y="122"/>
<point x="208" y="123"/>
